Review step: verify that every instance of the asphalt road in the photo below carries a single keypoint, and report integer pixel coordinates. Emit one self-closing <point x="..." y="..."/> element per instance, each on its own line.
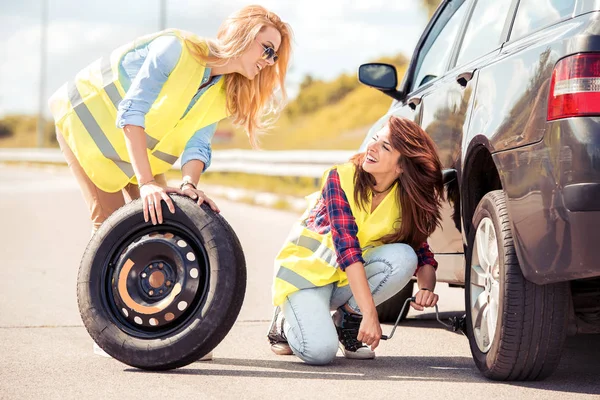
<point x="45" y="352"/>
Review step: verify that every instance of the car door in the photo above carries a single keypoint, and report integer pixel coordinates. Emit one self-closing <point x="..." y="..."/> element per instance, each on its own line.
<point x="445" y="101"/>
<point x="434" y="103"/>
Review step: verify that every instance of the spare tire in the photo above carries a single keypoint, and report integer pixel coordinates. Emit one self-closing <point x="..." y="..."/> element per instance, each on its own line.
<point x="161" y="296"/>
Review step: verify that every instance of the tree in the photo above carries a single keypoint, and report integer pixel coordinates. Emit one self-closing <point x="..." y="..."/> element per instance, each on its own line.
<point x="306" y="82"/>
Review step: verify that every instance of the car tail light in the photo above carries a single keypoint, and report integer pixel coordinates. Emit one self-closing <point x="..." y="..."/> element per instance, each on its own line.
<point x="575" y="87"/>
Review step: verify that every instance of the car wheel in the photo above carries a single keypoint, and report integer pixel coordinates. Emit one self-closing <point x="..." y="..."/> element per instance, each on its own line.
<point x="388" y="310"/>
<point x="516" y="329"/>
<point x="159" y="297"/>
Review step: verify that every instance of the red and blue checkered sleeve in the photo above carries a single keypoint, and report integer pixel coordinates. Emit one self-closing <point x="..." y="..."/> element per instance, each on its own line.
<point x="425" y="256"/>
<point x="343" y="225"/>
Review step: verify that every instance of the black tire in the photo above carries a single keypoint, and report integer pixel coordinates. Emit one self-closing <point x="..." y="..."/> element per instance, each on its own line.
<point x="531" y="323"/>
<point x="216" y="288"/>
<point x="388" y="310"/>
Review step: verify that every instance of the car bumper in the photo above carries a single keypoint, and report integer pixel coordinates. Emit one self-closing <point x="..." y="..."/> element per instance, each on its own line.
<point x="553" y="194"/>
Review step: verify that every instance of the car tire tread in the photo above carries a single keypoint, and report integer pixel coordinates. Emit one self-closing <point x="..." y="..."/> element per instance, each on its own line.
<point x="532" y="326"/>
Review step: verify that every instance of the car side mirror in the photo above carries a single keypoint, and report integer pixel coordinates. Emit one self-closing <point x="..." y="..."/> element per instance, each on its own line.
<point x="449" y="176"/>
<point x="381" y="77"/>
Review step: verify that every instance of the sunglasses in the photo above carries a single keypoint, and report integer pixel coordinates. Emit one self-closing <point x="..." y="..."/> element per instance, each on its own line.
<point x="269" y="53"/>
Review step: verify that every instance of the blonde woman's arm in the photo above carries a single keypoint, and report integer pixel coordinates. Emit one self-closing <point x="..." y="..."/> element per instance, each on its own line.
<point x="151" y="192"/>
<point x="195" y="160"/>
<point x="147" y="80"/>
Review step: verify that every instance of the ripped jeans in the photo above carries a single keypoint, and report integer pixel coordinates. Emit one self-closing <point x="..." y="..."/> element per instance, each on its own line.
<point x="308" y="325"/>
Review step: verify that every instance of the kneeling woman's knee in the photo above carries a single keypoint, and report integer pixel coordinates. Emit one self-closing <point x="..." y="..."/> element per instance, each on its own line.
<point x="402" y="257"/>
<point x="320" y="351"/>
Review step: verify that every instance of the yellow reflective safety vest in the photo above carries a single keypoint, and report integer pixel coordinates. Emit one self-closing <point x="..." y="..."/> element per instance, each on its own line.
<point x="308" y="259"/>
<point x="85" y="112"/>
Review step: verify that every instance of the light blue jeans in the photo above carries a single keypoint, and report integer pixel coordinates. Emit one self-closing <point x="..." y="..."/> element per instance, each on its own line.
<point x="308" y="325"/>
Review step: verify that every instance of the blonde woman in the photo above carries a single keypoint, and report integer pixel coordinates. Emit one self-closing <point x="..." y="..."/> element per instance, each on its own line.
<point x="128" y="117"/>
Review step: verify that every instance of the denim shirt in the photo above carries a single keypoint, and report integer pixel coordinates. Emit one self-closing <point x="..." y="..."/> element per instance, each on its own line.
<point x="142" y="73"/>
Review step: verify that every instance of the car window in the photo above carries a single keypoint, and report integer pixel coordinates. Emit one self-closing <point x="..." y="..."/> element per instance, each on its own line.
<point x="484" y="29"/>
<point x="535" y="14"/>
<point x="434" y="57"/>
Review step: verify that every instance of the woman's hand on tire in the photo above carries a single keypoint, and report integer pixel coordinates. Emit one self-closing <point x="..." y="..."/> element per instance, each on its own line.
<point x="152" y="194"/>
<point x="424" y="298"/>
<point x="200" y="197"/>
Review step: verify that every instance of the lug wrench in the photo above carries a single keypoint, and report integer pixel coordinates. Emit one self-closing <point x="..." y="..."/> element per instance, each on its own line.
<point x="455" y="325"/>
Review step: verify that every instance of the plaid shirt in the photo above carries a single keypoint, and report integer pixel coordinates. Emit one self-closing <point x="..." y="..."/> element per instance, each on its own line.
<point x="333" y="213"/>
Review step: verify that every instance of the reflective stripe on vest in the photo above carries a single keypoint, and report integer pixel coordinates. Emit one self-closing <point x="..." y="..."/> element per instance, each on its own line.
<point x="309" y="259"/>
<point x="85" y="113"/>
<point x="107" y="81"/>
<point x="98" y="136"/>
<point x="294" y="278"/>
<point x="320" y="251"/>
<point x="94" y="129"/>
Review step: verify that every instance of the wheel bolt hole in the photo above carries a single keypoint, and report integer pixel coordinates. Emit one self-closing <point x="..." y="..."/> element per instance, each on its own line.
<point x="151" y="293"/>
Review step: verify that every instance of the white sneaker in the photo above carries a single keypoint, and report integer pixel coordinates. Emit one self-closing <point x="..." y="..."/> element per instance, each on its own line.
<point x="207" y="357"/>
<point x="98" y="351"/>
<point x="347" y="326"/>
<point x="362" y="353"/>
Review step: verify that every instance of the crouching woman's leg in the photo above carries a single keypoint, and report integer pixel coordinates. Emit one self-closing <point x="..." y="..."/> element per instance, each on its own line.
<point x="388" y="267"/>
<point x="308" y="325"/>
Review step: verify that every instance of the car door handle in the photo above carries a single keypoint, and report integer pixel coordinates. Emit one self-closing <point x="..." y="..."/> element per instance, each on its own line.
<point x="465" y="77"/>
<point x="414" y="102"/>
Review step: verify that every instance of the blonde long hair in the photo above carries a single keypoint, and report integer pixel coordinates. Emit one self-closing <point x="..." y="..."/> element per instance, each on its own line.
<point x="249" y="102"/>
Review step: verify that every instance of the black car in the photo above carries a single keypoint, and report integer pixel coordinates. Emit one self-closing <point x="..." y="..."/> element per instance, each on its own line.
<point x="510" y="92"/>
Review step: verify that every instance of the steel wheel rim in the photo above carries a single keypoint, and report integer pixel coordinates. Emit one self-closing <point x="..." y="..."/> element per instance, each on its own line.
<point x="484" y="285"/>
<point x="126" y="291"/>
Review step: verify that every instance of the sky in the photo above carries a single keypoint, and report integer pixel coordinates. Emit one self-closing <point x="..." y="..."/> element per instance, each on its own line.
<point x="330" y="36"/>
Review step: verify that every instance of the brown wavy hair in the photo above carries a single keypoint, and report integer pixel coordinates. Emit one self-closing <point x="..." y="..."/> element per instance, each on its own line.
<point x="420" y="185"/>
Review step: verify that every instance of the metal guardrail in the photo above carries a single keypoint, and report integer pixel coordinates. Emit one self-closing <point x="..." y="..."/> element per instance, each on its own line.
<point x="301" y="163"/>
